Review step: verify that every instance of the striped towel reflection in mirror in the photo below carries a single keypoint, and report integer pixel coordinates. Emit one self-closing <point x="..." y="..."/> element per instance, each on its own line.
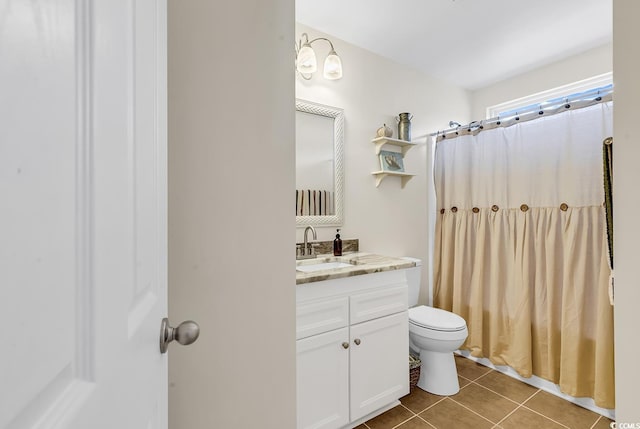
<point x="311" y="202"/>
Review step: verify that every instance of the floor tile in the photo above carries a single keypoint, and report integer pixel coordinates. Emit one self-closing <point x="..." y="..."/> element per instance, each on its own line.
<point x="507" y="386"/>
<point x="390" y="418"/>
<point x="484" y="402"/>
<point x="415" y="423"/>
<point x="362" y="426"/>
<point x="419" y="400"/>
<point x="447" y="414"/>
<point x="470" y="369"/>
<point x="463" y="381"/>
<point x="562" y="411"/>
<point x="523" y="418"/>
<point x="603" y="423"/>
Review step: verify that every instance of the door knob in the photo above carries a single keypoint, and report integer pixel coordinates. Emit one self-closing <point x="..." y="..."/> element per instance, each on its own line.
<point x="345" y="345"/>
<point x="357" y="341"/>
<point x="185" y="333"/>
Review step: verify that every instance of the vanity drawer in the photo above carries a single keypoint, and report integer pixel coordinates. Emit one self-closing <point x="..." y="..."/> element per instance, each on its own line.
<point x="318" y="316"/>
<point x="371" y="305"/>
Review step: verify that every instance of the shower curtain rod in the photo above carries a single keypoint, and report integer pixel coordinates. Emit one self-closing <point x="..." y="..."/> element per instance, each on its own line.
<point x="529" y="113"/>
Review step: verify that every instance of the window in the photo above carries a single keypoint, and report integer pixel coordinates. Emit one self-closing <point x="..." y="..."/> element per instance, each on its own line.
<point x="552" y="97"/>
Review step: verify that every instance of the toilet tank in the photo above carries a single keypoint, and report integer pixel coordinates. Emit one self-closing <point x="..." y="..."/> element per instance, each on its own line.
<point x="413" y="278"/>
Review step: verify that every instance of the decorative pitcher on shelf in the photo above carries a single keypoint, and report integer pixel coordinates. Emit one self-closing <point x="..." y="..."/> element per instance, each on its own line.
<point x="404" y="126"/>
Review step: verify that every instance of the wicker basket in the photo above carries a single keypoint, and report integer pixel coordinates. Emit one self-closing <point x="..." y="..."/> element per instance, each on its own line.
<point x="414" y="371"/>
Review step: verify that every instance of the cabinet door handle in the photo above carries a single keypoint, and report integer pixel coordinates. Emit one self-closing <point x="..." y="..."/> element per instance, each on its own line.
<point x="345" y="345"/>
<point x="357" y="341"/>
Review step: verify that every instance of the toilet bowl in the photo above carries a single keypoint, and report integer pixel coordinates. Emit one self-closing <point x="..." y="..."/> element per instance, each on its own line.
<point x="434" y="334"/>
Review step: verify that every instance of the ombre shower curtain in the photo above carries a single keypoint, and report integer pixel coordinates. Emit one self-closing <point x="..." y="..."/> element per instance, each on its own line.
<point x="521" y="250"/>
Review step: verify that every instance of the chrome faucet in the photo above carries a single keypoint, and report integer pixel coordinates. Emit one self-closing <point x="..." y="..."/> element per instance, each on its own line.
<point x="307" y="248"/>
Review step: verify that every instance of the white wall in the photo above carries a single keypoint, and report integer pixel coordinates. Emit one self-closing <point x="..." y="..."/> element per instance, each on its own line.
<point x="626" y="155"/>
<point x="591" y="63"/>
<point x="388" y="220"/>
<point x="231" y="133"/>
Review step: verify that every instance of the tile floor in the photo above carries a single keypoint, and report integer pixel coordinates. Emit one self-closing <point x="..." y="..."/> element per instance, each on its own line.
<point x="487" y="399"/>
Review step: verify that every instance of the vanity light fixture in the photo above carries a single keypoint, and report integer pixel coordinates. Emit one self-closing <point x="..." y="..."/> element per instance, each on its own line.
<point x="306" y="63"/>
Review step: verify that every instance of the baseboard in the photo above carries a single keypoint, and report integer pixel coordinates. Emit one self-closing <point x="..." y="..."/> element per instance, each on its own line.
<point x="542" y="384"/>
<point x="371" y="415"/>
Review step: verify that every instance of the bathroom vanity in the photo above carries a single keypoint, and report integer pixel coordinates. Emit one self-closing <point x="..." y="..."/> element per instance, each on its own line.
<point x="351" y="338"/>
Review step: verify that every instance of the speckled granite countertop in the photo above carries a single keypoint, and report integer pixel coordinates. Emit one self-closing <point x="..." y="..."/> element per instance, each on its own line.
<point x="361" y="263"/>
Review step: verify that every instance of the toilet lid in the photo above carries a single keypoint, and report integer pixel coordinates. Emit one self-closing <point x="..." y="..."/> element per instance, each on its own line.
<point x="436" y="319"/>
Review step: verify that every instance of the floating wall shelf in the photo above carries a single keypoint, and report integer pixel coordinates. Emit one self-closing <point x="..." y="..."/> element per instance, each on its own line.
<point x="404" y="147"/>
<point x="380" y="175"/>
<point x="402" y="144"/>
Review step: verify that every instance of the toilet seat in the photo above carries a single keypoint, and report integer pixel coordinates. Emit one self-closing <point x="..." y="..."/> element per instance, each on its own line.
<point x="436" y="319"/>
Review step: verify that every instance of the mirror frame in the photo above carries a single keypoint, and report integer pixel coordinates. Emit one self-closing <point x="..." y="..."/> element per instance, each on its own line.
<point x="337" y="114"/>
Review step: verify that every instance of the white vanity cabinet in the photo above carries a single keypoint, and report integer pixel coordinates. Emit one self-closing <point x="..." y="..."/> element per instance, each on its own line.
<point x="352" y="349"/>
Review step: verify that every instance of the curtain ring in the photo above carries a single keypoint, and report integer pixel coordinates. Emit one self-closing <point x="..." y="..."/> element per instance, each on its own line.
<point x="475" y="209"/>
<point x="495" y="208"/>
<point x="524" y="207"/>
<point x="564" y="207"/>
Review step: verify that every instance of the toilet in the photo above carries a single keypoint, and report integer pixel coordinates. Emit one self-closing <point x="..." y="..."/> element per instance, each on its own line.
<point x="434" y="334"/>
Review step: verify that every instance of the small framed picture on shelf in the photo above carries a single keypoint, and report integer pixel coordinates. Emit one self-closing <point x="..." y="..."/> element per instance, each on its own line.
<point x="391" y="161"/>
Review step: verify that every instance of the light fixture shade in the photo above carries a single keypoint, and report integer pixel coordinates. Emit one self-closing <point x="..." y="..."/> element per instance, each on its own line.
<point x="332" y="66"/>
<point x="306" y="61"/>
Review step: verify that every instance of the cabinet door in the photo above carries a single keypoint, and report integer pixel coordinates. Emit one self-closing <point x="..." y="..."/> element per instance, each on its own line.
<point x="323" y="380"/>
<point x="379" y="370"/>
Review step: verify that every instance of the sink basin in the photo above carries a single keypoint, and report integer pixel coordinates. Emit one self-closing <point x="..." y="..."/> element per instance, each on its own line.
<point x="310" y="268"/>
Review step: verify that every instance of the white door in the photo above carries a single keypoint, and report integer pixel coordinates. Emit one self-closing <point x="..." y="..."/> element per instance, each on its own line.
<point x="82" y="214"/>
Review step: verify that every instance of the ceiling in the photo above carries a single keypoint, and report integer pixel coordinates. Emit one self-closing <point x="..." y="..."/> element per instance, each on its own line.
<point x="471" y="43"/>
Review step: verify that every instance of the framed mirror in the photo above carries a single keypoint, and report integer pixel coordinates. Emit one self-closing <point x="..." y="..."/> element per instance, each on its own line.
<point x="319" y="164"/>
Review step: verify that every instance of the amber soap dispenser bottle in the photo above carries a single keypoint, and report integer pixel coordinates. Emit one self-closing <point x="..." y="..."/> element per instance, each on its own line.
<point x="337" y="245"/>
